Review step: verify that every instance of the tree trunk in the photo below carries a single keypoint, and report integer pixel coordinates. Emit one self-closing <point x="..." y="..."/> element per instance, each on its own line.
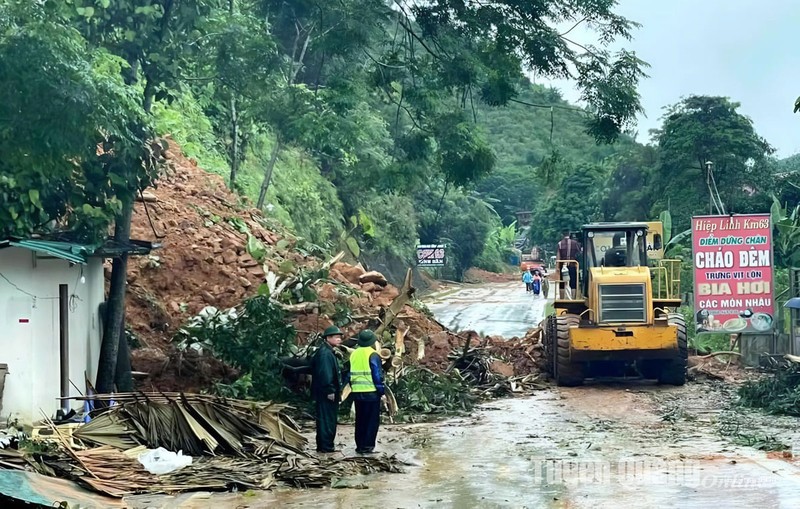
<point x="109" y="349"/>
<point x="234" y="152"/>
<point x="268" y="172"/>
<point x="149" y="93"/>
<point x="122" y="376"/>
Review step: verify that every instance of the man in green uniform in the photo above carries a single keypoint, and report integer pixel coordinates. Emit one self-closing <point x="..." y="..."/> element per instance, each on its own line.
<point x="326" y="388"/>
<point x="366" y="381"/>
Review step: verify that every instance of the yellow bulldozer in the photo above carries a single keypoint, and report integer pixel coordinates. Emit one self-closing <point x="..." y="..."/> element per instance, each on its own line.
<point x="621" y="315"/>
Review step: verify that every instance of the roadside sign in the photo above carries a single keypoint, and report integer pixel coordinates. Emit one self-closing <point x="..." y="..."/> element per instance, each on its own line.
<point x="430" y="255"/>
<point x="732" y="260"/>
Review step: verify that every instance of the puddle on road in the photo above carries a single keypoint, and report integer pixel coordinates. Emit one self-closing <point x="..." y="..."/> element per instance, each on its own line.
<point x="579" y="448"/>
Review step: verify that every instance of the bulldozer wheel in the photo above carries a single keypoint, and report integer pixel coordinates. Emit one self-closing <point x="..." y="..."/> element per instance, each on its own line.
<point x="548" y="342"/>
<point x="565" y="372"/>
<point x="673" y="371"/>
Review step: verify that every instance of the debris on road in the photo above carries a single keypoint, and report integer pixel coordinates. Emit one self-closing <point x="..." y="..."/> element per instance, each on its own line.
<point x="777" y="392"/>
<point x="234" y="444"/>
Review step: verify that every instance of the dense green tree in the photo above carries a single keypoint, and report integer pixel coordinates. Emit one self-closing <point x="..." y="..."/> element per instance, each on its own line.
<point x="51" y="175"/>
<point x="155" y="39"/>
<point x="577" y="202"/>
<point x="628" y="197"/>
<point x="699" y="130"/>
<point x="236" y="62"/>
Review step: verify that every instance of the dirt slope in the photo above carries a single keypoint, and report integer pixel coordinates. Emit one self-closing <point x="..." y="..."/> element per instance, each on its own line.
<point x="203" y="230"/>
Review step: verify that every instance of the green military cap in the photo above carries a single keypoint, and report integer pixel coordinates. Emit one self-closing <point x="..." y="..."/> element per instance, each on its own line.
<point x="332" y="330"/>
<point x="366" y="338"/>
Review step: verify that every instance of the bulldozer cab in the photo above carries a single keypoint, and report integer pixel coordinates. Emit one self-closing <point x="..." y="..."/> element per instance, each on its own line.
<point x="613" y="245"/>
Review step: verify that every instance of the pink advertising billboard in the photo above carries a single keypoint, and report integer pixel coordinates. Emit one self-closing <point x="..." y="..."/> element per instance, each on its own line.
<point x="733" y="287"/>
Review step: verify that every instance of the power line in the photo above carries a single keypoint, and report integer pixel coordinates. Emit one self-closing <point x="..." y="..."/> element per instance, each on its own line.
<point x="29" y="294"/>
<point x="558" y="106"/>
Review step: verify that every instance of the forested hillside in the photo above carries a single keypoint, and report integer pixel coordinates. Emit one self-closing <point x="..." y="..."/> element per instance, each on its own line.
<point x="529" y="135"/>
<point x="360" y="124"/>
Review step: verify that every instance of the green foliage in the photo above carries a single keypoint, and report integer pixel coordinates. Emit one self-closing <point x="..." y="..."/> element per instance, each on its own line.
<point x="537" y="147"/>
<point x="51" y="169"/>
<point x="393" y="220"/>
<point x="301" y="198"/>
<point x="184" y="120"/>
<point x="787" y="241"/>
<point x="703" y="129"/>
<point x="241" y="388"/>
<point x="497" y="249"/>
<point x="575" y="204"/>
<point x="420" y="390"/>
<point x="252" y="340"/>
<point x="777" y="393"/>
<point x="467" y="224"/>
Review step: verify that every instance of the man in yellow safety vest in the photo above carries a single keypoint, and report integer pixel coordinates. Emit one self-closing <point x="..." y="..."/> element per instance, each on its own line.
<point x="366" y="381"/>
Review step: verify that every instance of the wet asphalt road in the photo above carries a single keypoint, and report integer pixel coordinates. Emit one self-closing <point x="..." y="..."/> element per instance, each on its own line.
<point x="502" y="309"/>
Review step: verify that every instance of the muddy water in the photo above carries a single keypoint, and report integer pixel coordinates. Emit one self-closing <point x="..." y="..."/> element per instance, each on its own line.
<point x="503" y="309"/>
<point x="597" y="446"/>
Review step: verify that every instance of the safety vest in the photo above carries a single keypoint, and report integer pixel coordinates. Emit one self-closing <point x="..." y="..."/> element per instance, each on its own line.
<point x="360" y="373"/>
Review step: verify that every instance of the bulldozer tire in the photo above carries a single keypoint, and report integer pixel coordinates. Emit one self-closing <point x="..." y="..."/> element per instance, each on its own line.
<point x="674" y="371"/>
<point x="565" y="372"/>
<point x="548" y="343"/>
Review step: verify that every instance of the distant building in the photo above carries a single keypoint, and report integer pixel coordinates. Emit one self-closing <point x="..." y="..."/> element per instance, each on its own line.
<point x="524" y="218"/>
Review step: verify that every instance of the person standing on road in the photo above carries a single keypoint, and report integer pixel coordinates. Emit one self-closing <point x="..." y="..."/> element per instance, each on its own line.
<point x="568" y="249"/>
<point x="536" y="285"/>
<point x="366" y="381"/>
<point x="527" y="278"/>
<point x="326" y="387"/>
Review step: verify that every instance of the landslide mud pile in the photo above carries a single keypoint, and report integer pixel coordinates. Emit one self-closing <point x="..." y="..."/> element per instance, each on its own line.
<point x="207" y="235"/>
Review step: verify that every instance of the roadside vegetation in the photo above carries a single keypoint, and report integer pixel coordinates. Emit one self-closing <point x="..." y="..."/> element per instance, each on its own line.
<point x="362" y="125"/>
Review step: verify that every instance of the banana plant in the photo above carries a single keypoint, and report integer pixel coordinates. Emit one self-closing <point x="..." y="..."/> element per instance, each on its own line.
<point x="672" y="245"/>
<point x="787" y="224"/>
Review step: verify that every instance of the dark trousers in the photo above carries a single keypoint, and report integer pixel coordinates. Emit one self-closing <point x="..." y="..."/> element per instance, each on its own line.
<point x="326" y="424"/>
<point x="368" y="417"/>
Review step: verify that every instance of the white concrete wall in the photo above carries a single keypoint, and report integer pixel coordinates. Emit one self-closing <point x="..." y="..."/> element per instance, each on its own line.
<point x="31" y="349"/>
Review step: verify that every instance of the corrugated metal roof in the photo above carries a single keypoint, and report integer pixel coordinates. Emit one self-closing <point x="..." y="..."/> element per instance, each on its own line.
<point x="79" y="253"/>
<point x="75" y="253"/>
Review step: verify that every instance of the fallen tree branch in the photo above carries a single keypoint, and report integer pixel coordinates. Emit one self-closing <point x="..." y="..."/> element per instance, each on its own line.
<point x="715" y="354"/>
<point x="463" y="354"/>
<point x="397" y="305"/>
<point x="301" y="307"/>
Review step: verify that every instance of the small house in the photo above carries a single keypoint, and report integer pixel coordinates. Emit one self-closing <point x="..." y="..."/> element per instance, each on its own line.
<point x="50" y="296"/>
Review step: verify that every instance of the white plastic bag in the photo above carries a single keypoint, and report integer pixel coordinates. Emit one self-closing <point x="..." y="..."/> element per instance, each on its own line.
<point x="161" y="461"/>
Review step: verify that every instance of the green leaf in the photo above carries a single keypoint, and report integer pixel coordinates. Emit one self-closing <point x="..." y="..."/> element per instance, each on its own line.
<point x="366" y="224"/>
<point x="282" y="244"/>
<point x="105" y="3"/>
<point x="286" y="267"/>
<point x="117" y="179"/>
<point x="256" y="248"/>
<point x="353" y="246"/>
<point x="33" y="194"/>
<point x="666" y="220"/>
<point x="263" y="289"/>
